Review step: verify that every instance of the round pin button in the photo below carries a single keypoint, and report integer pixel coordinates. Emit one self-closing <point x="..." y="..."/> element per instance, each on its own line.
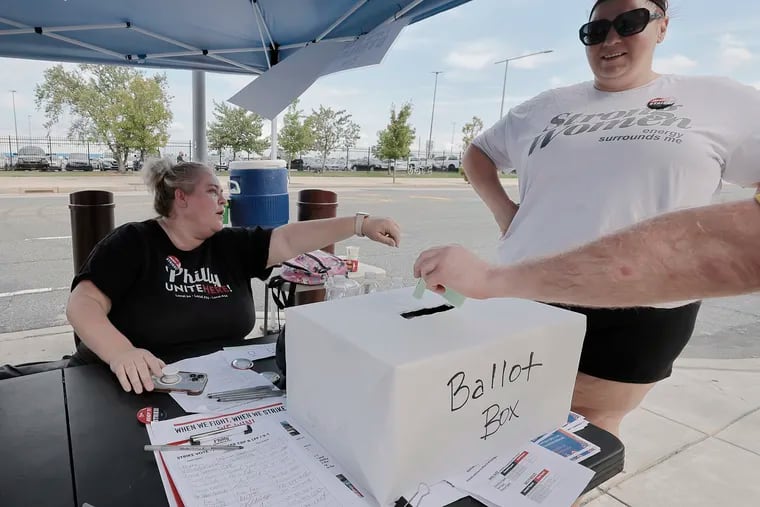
<point x="242" y="363"/>
<point x="661" y="103"/>
<point x="146" y="415"/>
<point x="271" y="376"/>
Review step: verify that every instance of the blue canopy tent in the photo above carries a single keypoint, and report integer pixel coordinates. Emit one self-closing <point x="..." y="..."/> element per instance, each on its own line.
<point x="235" y="36"/>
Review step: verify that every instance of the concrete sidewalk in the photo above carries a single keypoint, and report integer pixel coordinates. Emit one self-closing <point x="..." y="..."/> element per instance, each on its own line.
<point x="694" y="442"/>
<point x="41" y="183"/>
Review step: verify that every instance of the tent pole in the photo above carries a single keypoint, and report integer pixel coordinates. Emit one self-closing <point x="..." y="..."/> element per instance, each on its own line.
<point x="273" y="149"/>
<point x="200" y="150"/>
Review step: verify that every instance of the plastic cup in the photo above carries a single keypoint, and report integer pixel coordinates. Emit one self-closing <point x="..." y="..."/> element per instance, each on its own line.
<point x="352" y="258"/>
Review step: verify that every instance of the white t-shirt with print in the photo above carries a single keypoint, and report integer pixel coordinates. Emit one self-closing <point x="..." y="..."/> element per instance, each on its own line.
<point x="590" y="162"/>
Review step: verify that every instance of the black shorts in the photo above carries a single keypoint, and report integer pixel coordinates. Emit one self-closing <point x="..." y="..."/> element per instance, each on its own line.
<point x="634" y="345"/>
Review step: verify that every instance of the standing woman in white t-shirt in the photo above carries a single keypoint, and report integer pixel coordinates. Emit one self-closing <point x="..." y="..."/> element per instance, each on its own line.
<point x="600" y="156"/>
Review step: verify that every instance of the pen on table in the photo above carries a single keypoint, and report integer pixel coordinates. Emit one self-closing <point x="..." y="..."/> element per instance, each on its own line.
<point x="263" y="389"/>
<point x="235" y="430"/>
<point x="242" y="397"/>
<point x="215" y="432"/>
<point x="192" y="447"/>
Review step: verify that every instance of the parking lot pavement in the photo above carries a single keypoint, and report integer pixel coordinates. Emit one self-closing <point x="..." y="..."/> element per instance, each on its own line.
<point x="41" y="183"/>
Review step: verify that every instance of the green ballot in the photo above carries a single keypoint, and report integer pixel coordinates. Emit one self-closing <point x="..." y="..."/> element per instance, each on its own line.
<point x="452" y="296"/>
<point x="420" y="289"/>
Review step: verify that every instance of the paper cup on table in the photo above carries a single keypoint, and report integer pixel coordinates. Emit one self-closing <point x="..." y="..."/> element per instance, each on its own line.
<point x="352" y="258"/>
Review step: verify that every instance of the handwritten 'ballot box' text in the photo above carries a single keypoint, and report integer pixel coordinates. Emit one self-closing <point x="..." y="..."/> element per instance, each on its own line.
<point x="499" y="413"/>
<point x="402" y="391"/>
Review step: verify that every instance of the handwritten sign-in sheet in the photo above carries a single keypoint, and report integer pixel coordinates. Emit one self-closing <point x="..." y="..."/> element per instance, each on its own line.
<point x="270" y="471"/>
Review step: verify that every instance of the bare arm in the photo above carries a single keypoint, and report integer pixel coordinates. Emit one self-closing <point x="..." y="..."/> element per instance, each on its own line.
<point x="484" y="177"/>
<point x="87" y="311"/>
<point x="704" y="252"/>
<point x="294" y="239"/>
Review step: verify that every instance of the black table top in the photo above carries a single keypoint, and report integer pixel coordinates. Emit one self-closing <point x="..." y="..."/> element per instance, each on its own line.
<point x="107" y="463"/>
<point x="123" y="474"/>
<point x="35" y="468"/>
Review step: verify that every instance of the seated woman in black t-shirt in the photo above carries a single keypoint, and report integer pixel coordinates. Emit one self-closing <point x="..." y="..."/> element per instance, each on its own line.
<point x="156" y="286"/>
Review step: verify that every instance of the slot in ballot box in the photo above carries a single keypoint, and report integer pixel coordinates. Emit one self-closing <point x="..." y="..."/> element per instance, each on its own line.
<point x="402" y="391"/>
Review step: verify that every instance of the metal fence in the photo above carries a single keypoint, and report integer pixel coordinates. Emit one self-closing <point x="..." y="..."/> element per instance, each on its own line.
<point x="365" y="159"/>
<point x="58" y="149"/>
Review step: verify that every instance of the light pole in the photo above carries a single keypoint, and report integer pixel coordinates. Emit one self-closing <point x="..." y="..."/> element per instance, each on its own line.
<point x="15" y="125"/>
<point x="453" y="130"/>
<point x="29" y="117"/>
<point x="432" y="116"/>
<point x="506" y="67"/>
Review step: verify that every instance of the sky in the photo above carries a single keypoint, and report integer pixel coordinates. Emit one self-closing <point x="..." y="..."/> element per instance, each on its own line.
<point x="464" y="43"/>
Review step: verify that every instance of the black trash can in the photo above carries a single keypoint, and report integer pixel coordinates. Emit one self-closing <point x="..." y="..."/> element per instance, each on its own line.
<point x="314" y="204"/>
<point x="92" y="218"/>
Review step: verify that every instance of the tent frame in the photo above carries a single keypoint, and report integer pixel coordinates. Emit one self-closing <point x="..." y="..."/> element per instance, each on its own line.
<point x="221" y="62"/>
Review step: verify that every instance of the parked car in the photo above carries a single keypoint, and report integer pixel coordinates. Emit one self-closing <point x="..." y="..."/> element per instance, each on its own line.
<point x="297" y="164"/>
<point x="57" y="162"/>
<point x="78" y="162"/>
<point x="335" y="164"/>
<point x="221" y="165"/>
<point x="32" y="157"/>
<point x="451" y="163"/>
<point x="365" y="164"/>
<point x="312" y="163"/>
<point x="400" y="165"/>
<point x="107" y="164"/>
<point x="415" y="164"/>
<point x="438" y="162"/>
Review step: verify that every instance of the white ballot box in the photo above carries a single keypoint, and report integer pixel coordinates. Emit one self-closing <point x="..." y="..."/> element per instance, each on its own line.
<point x="402" y="391"/>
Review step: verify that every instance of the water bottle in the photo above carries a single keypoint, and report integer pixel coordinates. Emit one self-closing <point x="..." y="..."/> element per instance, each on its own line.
<point x="370" y="284"/>
<point x="339" y="287"/>
<point x="397" y="282"/>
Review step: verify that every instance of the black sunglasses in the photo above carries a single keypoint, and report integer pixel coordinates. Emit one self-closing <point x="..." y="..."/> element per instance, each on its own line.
<point x="626" y="24"/>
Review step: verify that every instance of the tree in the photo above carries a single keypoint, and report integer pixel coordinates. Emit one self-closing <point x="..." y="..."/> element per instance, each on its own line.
<point x="235" y="128"/>
<point x="350" y="135"/>
<point x="395" y="141"/>
<point x="116" y="106"/>
<point x="329" y="129"/>
<point x="470" y="131"/>
<point x="295" y="136"/>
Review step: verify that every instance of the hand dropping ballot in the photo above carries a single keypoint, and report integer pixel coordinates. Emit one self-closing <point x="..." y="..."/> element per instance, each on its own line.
<point x="432" y="388"/>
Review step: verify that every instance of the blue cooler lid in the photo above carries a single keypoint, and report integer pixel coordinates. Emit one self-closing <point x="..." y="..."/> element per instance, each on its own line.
<point x="239" y="165"/>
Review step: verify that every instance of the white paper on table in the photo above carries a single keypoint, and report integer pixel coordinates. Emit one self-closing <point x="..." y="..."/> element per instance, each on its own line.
<point x="252" y="352"/>
<point x="170" y="498"/>
<point x="530" y="477"/>
<point x="271" y="466"/>
<point x="567" y="444"/>
<point x="318" y="453"/>
<point x="177" y="431"/>
<point x="435" y="495"/>
<point x="221" y="377"/>
<point x="174" y="432"/>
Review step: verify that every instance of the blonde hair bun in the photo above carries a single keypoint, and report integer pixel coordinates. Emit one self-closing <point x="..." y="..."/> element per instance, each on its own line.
<point x="155" y="171"/>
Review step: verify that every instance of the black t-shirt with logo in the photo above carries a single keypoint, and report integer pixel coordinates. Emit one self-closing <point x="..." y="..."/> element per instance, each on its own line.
<point x="163" y="298"/>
